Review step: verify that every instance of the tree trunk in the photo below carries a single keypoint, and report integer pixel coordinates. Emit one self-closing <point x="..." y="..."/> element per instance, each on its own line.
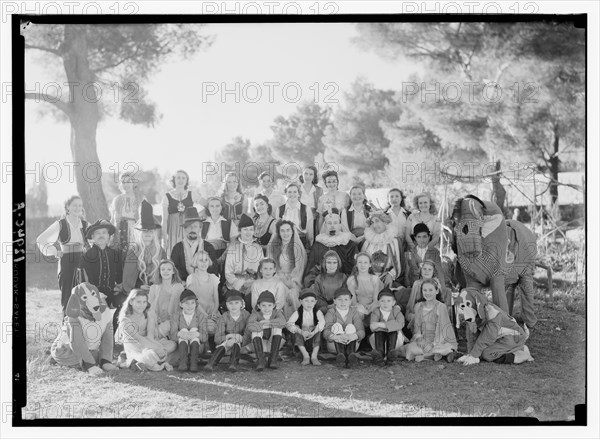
<point x="84" y="121"/>
<point x="554" y="165"/>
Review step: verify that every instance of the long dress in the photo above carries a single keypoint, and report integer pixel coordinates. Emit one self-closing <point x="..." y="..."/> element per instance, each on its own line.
<point x="175" y="220"/>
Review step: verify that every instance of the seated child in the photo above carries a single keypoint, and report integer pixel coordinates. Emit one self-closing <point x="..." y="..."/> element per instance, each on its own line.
<point x="189" y="328"/>
<point x="433" y="333"/>
<point x="387" y="322"/>
<point x="267" y="281"/>
<point x="344" y="329"/>
<point x="328" y="281"/>
<point x="138" y="332"/>
<point x="230" y="331"/>
<point x="428" y="270"/>
<point x="306" y="324"/>
<point x="364" y="285"/>
<point x="264" y="331"/>
<point x="205" y="286"/>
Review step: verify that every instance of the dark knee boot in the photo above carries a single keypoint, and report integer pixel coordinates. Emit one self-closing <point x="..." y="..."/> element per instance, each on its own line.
<point x="392" y="339"/>
<point x="274" y="357"/>
<point x="340" y="359"/>
<point x="215" y="358"/>
<point x="194" y="352"/>
<point x="234" y="357"/>
<point x="379" y="351"/>
<point x="351" y="354"/>
<point x="183" y="356"/>
<point x="260" y="355"/>
<point x="505" y="359"/>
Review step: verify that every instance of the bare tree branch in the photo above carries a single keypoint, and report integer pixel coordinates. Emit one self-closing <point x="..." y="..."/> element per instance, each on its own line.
<point x="64" y="106"/>
<point x="45" y="49"/>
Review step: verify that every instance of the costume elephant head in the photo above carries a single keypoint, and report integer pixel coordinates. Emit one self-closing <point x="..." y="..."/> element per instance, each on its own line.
<point x="491" y="251"/>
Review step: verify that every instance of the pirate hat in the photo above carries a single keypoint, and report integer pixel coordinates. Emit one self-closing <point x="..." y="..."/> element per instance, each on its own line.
<point x="100" y="224"/>
<point x="190" y="215"/>
<point x="147" y="219"/>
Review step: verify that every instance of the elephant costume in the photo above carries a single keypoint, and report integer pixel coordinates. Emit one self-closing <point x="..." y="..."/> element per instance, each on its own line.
<point x="494" y="252"/>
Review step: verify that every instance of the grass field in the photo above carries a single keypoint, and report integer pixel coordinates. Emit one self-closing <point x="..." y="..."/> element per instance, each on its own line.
<point x="547" y="389"/>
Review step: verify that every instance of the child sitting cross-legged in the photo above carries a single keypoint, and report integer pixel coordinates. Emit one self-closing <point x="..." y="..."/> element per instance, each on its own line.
<point x="387" y="322"/>
<point x="344" y="329"/>
<point x="264" y="331"/>
<point x="144" y="348"/>
<point x="189" y="328"/>
<point x="306" y="324"/>
<point x="230" y="331"/>
<point x="433" y="333"/>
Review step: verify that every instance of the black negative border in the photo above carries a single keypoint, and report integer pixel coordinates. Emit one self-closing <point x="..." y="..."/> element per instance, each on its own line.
<point x="19" y="320"/>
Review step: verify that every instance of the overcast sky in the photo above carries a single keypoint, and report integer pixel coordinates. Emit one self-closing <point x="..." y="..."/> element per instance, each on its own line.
<point x="317" y="60"/>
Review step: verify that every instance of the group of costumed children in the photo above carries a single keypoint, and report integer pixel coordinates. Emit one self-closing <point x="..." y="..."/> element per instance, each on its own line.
<point x="393" y="301"/>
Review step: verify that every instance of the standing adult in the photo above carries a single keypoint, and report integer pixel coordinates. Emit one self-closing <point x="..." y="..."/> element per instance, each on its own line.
<point x="341" y="200"/>
<point x="396" y="209"/>
<point x="356" y="216"/>
<point x="69" y="233"/>
<point x="217" y="230"/>
<point x="174" y="203"/>
<point x="310" y="193"/>
<point x="298" y="213"/>
<point x="269" y="190"/>
<point x="125" y="212"/>
<point x="264" y="222"/>
<point x="235" y="202"/>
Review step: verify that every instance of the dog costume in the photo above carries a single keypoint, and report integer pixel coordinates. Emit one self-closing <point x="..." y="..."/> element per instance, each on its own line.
<point x="500" y="338"/>
<point x="86" y="339"/>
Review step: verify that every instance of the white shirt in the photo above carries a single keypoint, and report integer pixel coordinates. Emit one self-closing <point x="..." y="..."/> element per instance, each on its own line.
<point x="188" y="318"/>
<point x="343" y="313"/>
<point x="49" y="237"/>
<point x="422" y="252"/>
<point x="398" y="222"/>
<point x="385" y="314"/>
<point x="189" y="250"/>
<point x="308" y="198"/>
